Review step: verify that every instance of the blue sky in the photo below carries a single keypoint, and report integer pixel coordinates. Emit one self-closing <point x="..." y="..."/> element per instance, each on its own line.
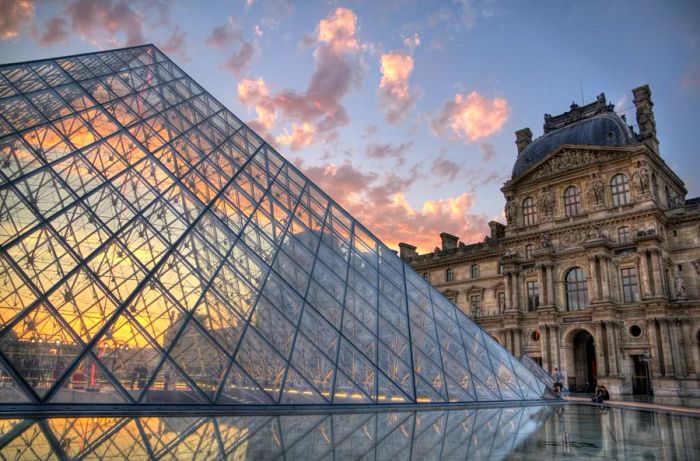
<point x="404" y="111"/>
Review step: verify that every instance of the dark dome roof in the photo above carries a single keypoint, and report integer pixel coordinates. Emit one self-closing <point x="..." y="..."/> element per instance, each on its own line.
<point x="605" y="129"/>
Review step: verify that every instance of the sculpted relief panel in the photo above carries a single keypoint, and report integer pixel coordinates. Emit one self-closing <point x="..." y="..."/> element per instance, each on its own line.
<point x="570" y="159"/>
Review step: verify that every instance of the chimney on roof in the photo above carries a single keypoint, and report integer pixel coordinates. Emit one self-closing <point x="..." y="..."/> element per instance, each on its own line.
<point x="645" y="117"/>
<point x="498" y="230"/>
<point x="407" y="251"/>
<point x="449" y="241"/>
<point x="523" y="138"/>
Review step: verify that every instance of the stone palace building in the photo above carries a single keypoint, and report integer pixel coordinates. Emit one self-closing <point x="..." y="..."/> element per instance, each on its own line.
<point x="597" y="271"/>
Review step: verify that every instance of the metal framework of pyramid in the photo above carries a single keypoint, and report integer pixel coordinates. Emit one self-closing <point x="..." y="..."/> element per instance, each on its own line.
<point x="154" y="250"/>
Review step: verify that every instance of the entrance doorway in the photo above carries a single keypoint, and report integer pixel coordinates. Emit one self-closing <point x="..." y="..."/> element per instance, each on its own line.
<point x="584" y="362"/>
<point x="641" y="384"/>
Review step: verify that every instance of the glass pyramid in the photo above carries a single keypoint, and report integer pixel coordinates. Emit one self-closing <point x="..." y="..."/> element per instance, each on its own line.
<point x="155" y="250"/>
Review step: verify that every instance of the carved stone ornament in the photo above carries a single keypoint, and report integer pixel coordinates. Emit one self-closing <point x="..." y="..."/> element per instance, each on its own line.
<point x="680" y="287"/>
<point x="570" y="159"/>
<point x="511" y="211"/>
<point x="642" y="178"/>
<point x="676" y="200"/>
<point x="597" y="191"/>
<point x="546" y="241"/>
<point x="546" y="201"/>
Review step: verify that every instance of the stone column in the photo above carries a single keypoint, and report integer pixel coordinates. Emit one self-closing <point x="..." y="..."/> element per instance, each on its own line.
<point x="593" y="279"/>
<point x="551" y="297"/>
<point x="516" y="343"/>
<point x="600" y="349"/>
<point x="654" y="349"/>
<point x="554" y="346"/>
<point x="541" y="286"/>
<point x="544" y="346"/>
<point x="605" y="277"/>
<point x="509" y="292"/>
<point x="612" y="350"/>
<point x="656" y="273"/>
<point x="692" y="349"/>
<point x="669" y="363"/>
<point x="677" y="347"/>
<point x="642" y="270"/>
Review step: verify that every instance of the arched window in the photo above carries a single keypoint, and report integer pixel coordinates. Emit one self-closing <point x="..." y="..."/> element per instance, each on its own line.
<point x="576" y="290"/>
<point x="450" y="275"/>
<point x="528" y="251"/>
<point x="572" y="201"/>
<point x="620" y="188"/>
<point x="529" y="211"/>
<point x="623" y="234"/>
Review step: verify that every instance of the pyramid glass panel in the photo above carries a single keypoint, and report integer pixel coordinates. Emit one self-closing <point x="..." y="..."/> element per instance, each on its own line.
<point x="155" y="250"/>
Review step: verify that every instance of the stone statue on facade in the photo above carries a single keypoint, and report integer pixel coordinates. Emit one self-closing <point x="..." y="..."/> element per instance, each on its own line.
<point x="596" y="232"/>
<point x="680" y="287"/>
<point x="546" y="241"/>
<point x="546" y="201"/>
<point x="597" y="192"/>
<point x="511" y="211"/>
<point x="642" y="177"/>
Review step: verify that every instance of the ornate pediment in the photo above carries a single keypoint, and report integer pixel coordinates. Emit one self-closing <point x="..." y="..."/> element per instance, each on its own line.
<point x="567" y="159"/>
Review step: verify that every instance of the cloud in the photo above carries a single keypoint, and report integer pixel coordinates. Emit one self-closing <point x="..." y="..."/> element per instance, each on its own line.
<point x="300" y="136"/>
<point x="258" y="31"/>
<point x="55" y="31"/>
<point x="446" y="169"/>
<point x="337" y="70"/>
<point x="15" y="15"/>
<point x="471" y="116"/>
<point x="394" y="93"/>
<point x="691" y="77"/>
<point x="177" y="44"/>
<point x="254" y="93"/>
<point x="488" y="152"/>
<point x="102" y="22"/>
<point x="226" y="34"/>
<point x="385" y="151"/>
<point x="240" y="60"/>
<point x="411" y="42"/>
<point x="391" y="217"/>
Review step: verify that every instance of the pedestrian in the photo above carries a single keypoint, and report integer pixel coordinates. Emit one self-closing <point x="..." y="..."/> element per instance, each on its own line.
<point x="558" y="380"/>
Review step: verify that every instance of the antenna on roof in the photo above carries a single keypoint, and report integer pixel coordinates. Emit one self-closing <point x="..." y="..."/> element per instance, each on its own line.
<point x="581" y="83"/>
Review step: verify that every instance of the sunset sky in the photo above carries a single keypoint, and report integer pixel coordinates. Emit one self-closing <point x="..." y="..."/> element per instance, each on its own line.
<point x="403" y="111"/>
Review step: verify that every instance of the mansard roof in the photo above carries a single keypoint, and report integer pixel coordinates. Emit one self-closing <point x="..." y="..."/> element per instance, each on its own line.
<point x="595" y="124"/>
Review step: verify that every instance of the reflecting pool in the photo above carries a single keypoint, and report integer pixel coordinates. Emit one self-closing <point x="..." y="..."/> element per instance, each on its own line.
<point x="534" y="432"/>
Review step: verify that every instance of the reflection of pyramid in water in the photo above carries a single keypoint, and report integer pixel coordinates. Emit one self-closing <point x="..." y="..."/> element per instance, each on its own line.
<point x="155" y="250"/>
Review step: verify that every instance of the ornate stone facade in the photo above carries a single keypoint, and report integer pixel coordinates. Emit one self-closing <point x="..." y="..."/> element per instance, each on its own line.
<point x="597" y="272"/>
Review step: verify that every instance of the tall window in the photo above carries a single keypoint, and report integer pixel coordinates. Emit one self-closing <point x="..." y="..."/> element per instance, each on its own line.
<point x="533" y="296"/>
<point x="576" y="290"/>
<point x="572" y="201"/>
<point x="475" y="304"/>
<point x="501" y="268"/>
<point x="528" y="251"/>
<point x="529" y="211"/>
<point x="475" y="271"/>
<point x="630" y="285"/>
<point x="620" y="188"/>
<point x="623" y="234"/>
<point x="450" y="275"/>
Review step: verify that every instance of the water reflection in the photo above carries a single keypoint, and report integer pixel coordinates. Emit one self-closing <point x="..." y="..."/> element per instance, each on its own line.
<point x="457" y="434"/>
<point x="559" y="432"/>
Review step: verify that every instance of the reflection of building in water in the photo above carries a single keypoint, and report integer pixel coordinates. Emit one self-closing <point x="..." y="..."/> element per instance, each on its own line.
<point x="456" y="434"/>
<point x="596" y="271"/>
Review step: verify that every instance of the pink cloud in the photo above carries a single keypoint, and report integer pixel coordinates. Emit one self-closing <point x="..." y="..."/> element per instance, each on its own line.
<point x="240" y="60"/>
<point x="255" y="93"/>
<point x="471" y="116"/>
<point x="446" y="169"/>
<point x="300" y="136"/>
<point x="388" y="150"/>
<point x="394" y="93"/>
<point x="225" y="34"/>
<point x="55" y="31"/>
<point x="391" y="217"/>
<point x="488" y="152"/>
<point x="176" y="44"/>
<point x="102" y="22"/>
<point x="16" y="14"/>
<point x="336" y="70"/>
